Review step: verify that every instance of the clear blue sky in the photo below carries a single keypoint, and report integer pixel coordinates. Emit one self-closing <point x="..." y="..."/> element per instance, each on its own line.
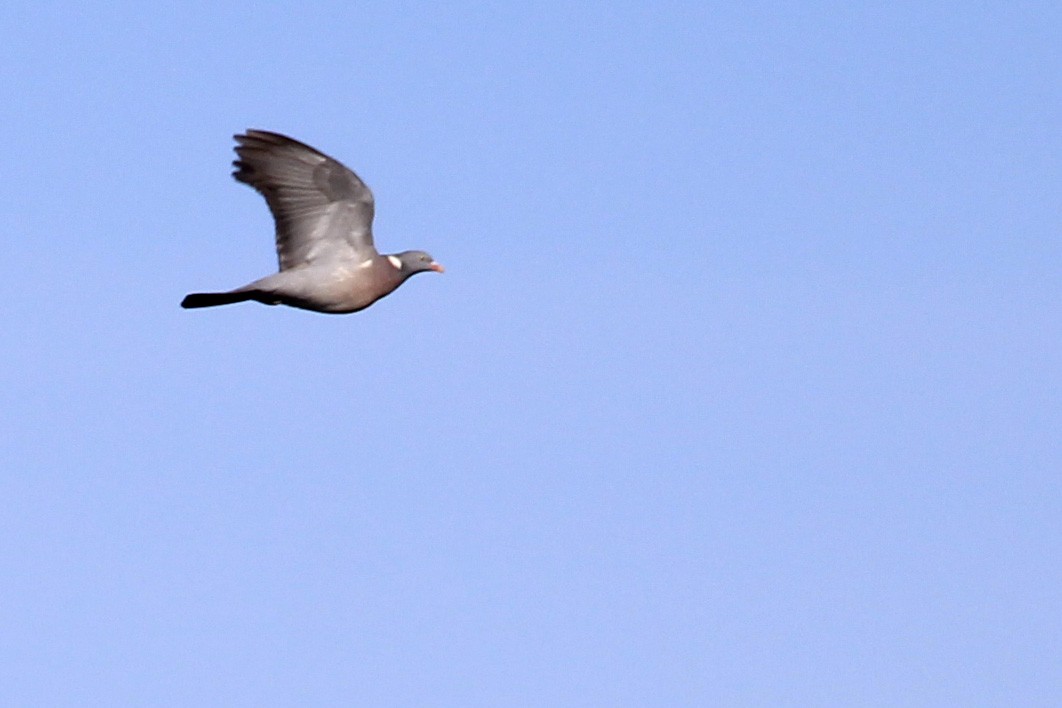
<point x="742" y="387"/>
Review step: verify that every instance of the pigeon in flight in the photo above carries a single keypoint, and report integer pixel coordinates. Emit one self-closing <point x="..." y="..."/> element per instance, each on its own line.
<point x="323" y="214"/>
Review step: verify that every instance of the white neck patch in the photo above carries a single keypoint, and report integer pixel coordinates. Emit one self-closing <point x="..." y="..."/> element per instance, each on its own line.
<point x="395" y="262"/>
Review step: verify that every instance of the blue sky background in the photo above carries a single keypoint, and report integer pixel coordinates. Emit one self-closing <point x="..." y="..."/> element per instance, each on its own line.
<point x="742" y="387"/>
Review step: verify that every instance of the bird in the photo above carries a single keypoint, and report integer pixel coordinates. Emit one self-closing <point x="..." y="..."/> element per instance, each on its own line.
<point x="323" y="214"/>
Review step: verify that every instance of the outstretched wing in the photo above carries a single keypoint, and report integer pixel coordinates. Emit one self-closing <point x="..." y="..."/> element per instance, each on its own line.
<point x="322" y="209"/>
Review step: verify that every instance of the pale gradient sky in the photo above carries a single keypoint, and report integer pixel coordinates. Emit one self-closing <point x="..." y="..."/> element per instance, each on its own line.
<point x="742" y="387"/>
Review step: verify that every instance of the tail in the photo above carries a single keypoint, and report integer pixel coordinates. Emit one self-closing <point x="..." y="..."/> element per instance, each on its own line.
<point x="214" y="299"/>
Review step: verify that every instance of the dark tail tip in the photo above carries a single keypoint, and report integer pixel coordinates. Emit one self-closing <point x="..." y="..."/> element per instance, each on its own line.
<point x="196" y="300"/>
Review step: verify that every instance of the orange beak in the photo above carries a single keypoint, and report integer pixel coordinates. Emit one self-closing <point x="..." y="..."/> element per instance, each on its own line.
<point x="437" y="267"/>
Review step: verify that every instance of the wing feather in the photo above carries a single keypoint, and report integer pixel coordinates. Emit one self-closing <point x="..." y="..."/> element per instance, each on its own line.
<point x="321" y="208"/>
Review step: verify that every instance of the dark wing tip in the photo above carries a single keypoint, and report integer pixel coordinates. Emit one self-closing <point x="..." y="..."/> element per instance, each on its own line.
<point x="256" y="134"/>
<point x="244" y="172"/>
<point x="252" y="138"/>
<point x="267" y="161"/>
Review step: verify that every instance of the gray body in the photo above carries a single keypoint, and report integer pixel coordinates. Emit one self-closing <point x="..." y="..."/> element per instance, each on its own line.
<point x="323" y="213"/>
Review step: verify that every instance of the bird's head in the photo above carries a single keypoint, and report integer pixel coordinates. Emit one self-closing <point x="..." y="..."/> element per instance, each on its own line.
<point x="410" y="262"/>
